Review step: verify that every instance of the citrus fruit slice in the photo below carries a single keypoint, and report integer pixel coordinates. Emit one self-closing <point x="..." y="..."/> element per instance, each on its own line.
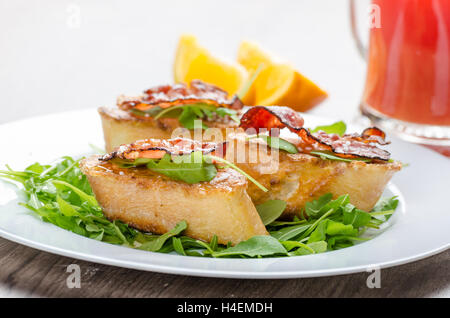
<point x="195" y="62"/>
<point x="277" y="83"/>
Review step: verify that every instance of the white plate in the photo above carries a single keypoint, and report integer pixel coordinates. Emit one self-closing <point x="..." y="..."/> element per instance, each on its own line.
<point x="420" y="227"/>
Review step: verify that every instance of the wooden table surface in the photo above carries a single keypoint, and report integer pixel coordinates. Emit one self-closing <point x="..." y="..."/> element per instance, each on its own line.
<point x="26" y="272"/>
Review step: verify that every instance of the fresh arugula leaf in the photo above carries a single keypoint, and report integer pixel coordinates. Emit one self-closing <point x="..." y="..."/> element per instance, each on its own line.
<point x="36" y="168"/>
<point x="336" y="128"/>
<point x="319" y="234"/>
<point x="175" y="111"/>
<point x="290" y="245"/>
<point x="336" y="204"/>
<point x="151" y="112"/>
<point x="278" y="143"/>
<point x="318" y="247"/>
<point x="214" y="244"/>
<point x="65" y="208"/>
<point x="290" y="232"/>
<point x="178" y="246"/>
<point x="314" y="208"/>
<point x="311" y="248"/>
<point x="385" y="204"/>
<point x="338" y="228"/>
<point x="209" y="250"/>
<point x="155" y="245"/>
<point x="343" y="241"/>
<point x="384" y="209"/>
<point x="316" y="223"/>
<point x="188" y="117"/>
<point x="120" y="235"/>
<point x="187" y="114"/>
<point x="261" y="245"/>
<point x="83" y="196"/>
<point x="329" y="227"/>
<point x="193" y="170"/>
<point x="355" y="217"/>
<point x="270" y="210"/>
<point x="131" y="163"/>
<point x="222" y="112"/>
<point x="284" y="223"/>
<point x="330" y="156"/>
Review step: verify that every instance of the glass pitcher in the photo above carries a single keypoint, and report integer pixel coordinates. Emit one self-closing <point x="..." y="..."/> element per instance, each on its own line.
<point x="407" y="89"/>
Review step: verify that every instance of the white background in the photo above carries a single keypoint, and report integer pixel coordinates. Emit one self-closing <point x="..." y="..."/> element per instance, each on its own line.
<point x="49" y="63"/>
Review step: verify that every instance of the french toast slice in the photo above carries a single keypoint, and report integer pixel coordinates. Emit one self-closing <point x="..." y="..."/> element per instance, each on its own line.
<point x="149" y="115"/>
<point x="155" y="203"/>
<point x="342" y="163"/>
<point x="300" y="178"/>
<point x="120" y="127"/>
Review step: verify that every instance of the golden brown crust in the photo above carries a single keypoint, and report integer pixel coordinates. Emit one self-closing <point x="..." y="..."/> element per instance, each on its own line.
<point x="119" y="127"/>
<point x="152" y="202"/>
<point x="300" y="178"/>
<point x="225" y="180"/>
<point x="121" y="116"/>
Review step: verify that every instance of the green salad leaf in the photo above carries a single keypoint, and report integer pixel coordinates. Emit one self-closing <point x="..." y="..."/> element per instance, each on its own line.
<point x="355" y="217"/>
<point x="193" y="170"/>
<point x="157" y="244"/>
<point x="331" y="156"/>
<point x="151" y="112"/>
<point x="310" y="248"/>
<point x="336" y="128"/>
<point x="223" y="111"/>
<point x="290" y="232"/>
<point x="188" y="113"/>
<point x="178" y="246"/>
<point x="270" y="210"/>
<point x="260" y="245"/>
<point x="278" y="143"/>
<point x="386" y="204"/>
<point x="60" y="194"/>
<point x="316" y="207"/>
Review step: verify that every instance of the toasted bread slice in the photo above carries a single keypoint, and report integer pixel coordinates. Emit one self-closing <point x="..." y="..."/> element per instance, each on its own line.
<point x="152" y="202"/>
<point x="119" y="127"/>
<point x="300" y="178"/>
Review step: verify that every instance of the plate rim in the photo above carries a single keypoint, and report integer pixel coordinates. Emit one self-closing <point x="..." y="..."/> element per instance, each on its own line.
<point x="212" y="272"/>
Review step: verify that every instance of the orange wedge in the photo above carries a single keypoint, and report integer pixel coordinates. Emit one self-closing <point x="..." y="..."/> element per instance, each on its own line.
<point x="195" y="62"/>
<point x="251" y="56"/>
<point x="277" y="83"/>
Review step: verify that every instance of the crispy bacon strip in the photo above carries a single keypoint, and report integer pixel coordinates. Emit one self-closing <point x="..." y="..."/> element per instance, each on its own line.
<point x="347" y="146"/>
<point x="166" y="96"/>
<point x="271" y="117"/>
<point x="157" y="148"/>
